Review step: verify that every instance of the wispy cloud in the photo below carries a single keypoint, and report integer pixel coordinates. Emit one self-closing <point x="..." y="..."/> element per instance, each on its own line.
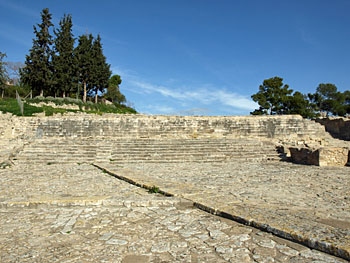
<point x="307" y="37"/>
<point x="234" y="100"/>
<point x="15" y="34"/>
<point x="202" y="95"/>
<point x="148" y="88"/>
<point x="182" y="99"/>
<point x="19" y="9"/>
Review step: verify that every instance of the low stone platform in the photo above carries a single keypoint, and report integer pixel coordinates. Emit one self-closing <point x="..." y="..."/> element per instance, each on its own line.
<point x="79" y="213"/>
<point x="306" y="204"/>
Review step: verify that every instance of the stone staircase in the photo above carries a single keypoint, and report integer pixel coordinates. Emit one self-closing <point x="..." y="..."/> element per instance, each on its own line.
<point x="142" y="138"/>
<point x="137" y="150"/>
<point x="193" y="150"/>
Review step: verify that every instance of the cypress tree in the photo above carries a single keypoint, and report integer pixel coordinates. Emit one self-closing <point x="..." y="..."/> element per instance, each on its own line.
<point x="3" y="74"/>
<point x="83" y="53"/>
<point x="38" y="70"/>
<point x="64" y="62"/>
<point x="101" y="69"/>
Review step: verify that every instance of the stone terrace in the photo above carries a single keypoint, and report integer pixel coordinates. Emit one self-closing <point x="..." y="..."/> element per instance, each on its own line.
<point x="227" y="166"/>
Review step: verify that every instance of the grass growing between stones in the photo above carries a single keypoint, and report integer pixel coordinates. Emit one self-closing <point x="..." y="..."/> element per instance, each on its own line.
<point x="154" y="190"/>
<point x="5" y="165"/>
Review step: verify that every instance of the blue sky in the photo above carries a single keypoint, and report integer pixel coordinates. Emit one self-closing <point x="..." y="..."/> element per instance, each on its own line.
<point x="200" y="57"/>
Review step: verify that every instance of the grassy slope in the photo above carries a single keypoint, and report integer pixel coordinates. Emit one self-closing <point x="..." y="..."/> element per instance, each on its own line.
<point x="11" y="106"/>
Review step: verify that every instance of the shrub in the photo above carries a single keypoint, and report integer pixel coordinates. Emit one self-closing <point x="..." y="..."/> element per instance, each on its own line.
<point x="11" y="106"/>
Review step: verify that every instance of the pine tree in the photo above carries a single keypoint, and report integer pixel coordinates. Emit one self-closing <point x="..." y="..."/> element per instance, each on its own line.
<point x="64" y="61"/>
<point x="272" y="97"/>
<point x="299" y="104"/>
<point x="38" y="70"/>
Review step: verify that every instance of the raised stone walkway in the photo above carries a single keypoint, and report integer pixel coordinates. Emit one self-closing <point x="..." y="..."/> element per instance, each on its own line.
<point x="79" y="213"/>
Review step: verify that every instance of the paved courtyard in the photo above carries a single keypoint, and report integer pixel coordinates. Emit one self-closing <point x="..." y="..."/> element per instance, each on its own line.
<point x="80" y="213"/>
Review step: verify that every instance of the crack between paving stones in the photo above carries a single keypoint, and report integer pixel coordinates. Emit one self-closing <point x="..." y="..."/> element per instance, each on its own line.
<point x="308" y="242"/>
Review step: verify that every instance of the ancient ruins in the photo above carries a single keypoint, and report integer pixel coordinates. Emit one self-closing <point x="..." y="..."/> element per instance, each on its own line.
<point x="281" y="175"/>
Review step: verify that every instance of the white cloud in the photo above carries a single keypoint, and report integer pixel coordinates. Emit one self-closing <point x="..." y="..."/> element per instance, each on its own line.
<point x="235" y="100"/>
<point x="206" y="95"/>
<point x="178" y="99"/>
<point x="149" y="88"/>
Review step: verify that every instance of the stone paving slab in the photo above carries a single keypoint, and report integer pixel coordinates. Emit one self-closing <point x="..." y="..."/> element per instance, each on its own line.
<point x="307" y="204"/>
<point x="78" y="213"/>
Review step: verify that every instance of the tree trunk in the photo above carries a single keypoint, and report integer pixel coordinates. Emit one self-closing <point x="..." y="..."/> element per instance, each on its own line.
<point x="96" y="98"/>
<point x="85" y="92"/>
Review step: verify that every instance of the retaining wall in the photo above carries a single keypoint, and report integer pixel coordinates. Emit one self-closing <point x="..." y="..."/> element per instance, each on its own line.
<point x="338" y="127"/>
<point x="286" y="130"/>
<point x="287" y="127"/>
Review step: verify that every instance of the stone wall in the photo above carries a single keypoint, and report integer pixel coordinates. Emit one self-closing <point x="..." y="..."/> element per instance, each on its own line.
<point x="334" y="156"/>
<point x="338" y="127"/>
<point x="289" y="127"/>
<point x="287" y="132"/>
<point x="323" y="156"/>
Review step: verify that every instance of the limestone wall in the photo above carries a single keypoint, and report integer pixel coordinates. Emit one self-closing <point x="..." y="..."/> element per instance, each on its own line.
<point x="338" y="127"/>
<point x="287" y="132"/>
<point x="289" y="127"/>
<point x="323" y="156"/>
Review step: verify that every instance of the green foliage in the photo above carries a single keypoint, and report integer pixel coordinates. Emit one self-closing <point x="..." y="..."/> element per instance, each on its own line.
<point x="37" y="71"/>
<point x="99" y="108"/>
<point x="11" y="106"/>
<point x="10" y="91"/>
<point x="29" y="110"/>
<point x="64" y="62"/>
<point x="113" y="93"/>
<point x="347" y="101"/>
<point x="83" y="52"/>
<point x="54" y="67"/>
<point x="93" y="70"/>
<point x="100" y="70"/>
<point x="275" y="98"/>
<point x="272" y="97"/>
<point x="298" y="104"/>
<point x="329" y="100"/>
<point x="153" y="190"/>
<point x="3" y="75"/>
<point x="57" y="101"/>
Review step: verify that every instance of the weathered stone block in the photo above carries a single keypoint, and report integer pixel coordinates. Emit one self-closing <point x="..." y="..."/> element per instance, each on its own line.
<point x="325" y="156"/>
<point x="338" y="127"/>
<point x="333" y="156"/>
<point x="304" y="155"/>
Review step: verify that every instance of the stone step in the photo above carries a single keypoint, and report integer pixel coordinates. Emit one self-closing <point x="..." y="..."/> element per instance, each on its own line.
<point x="134" y="149"/>
<point x="185" y="156"/>
<point x="144" y="150"/>
<point x="139" y="161"/>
